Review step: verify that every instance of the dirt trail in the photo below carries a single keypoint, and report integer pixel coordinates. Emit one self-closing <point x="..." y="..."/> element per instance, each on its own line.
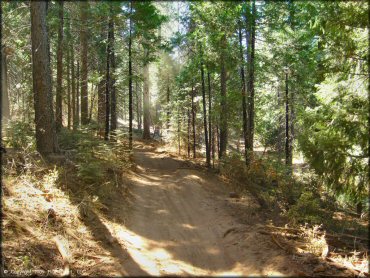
<point x="178" y="221"/>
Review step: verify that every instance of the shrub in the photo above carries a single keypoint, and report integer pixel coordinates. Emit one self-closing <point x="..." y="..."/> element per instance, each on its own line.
<point x="307" y="210"/>
<point x="20" y="135"/>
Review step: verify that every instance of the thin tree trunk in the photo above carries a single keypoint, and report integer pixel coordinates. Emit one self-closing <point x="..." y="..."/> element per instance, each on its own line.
<point x="211" y="137"/>
<point x="250" y="105"/>
<point x="193" y="120"/>
<point x="92" y="102"/>
<point x="73" y="87"/>
<point x="288" y="157"/>
<point x="130" y="115"/>
<point x="188" y="113"/>
<point x="46" y="139"/>
<point x="244" y="100"/>
<point x="168" y="106"/>
<point x="83" y="36"/>
<point x="69" y="106"/>
<point x="5" y="111"/>
<point x="208" y="154"/>
<point x="107" y="90"/>
<point x="78" y="94"/>
<point x="138" y="105"/>
<point x="224" y="110"/>
<point x="101" y="103"/>
<point x="58" y="106"/>
<point x="179" y="129"/>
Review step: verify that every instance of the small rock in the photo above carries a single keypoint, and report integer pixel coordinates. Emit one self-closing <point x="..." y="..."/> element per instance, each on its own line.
<point x="233" y="194"/>
<point x="319" y="268"/>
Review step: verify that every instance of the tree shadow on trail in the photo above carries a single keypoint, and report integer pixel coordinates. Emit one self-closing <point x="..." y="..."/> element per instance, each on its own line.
<point x="98" y="229"/>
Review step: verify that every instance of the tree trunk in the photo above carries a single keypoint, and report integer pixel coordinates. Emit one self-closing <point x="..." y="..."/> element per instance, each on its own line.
<point x="83" y="36"/>
<point x="101" y="103"/>
<point x="211" y="137"/>
<point x="208" y="154"/>
<point x="250" y="106"/>
<point x="5" y="111"/>
<point x="223" y="104"/>
<point x="58" y="106"/>
<point x="168" y="107"/>
<point x="69" y="106"/>
<point x="73" y="88"/>
<point x="78" y="94"/>
<point x="112" y="60"/>
<point x="179" y="129"/>
<point x="138" y="105"/>
<point x="188" y="113"/>
<point x="46" y="139"/>
<point x="244" y="99"/>
<point x="107" y="89"/>
<point x="130" y="115"/>
<point x="288" y="156"/>
<point x="146" y="97"/>
<point x="193" y="120"/>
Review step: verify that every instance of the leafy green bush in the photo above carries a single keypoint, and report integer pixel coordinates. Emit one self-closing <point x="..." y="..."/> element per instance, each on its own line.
<point x="90" y="171"/>
<point x="307" y="210"/>
<point x="20" y="135"/>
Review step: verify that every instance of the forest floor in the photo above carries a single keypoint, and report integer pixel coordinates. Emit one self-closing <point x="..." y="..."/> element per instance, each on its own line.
<point x="165" y="216"/>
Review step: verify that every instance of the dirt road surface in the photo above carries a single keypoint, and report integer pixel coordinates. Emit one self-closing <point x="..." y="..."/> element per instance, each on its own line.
<point x="177" y="224"/>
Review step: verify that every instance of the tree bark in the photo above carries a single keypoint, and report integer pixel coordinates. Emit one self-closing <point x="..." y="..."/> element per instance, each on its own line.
<point x="59" y="92"/>
<point x="46" y="139"/>
<point x="211" y="137"/>
<point x="83" y="36"/>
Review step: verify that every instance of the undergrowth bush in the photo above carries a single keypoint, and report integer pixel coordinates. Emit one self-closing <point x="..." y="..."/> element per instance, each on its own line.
<point x="20" y="135"/>
<point x="308" y="210"/>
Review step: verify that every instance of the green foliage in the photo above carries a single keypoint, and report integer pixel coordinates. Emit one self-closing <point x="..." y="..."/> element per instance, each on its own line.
<point x="308" y="210"/>
<point x="20" y="135"/>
